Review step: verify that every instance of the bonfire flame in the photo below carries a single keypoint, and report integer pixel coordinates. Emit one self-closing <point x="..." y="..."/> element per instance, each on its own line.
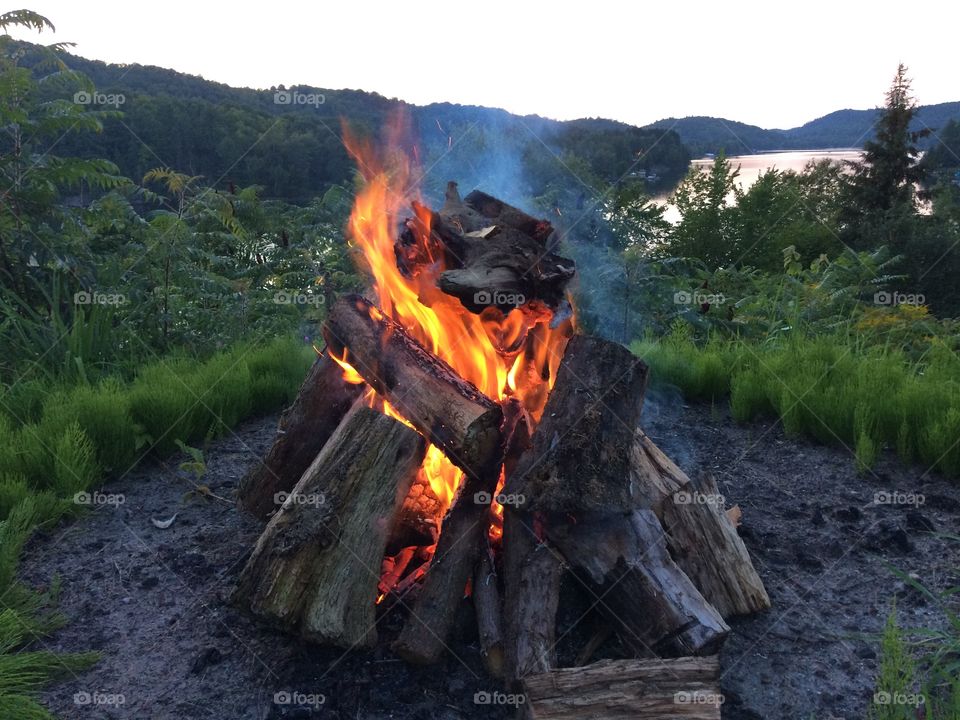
<point x="503" y="355"/>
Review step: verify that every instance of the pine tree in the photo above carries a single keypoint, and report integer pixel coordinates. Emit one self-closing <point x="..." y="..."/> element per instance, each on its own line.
<point x="884" y="183"/>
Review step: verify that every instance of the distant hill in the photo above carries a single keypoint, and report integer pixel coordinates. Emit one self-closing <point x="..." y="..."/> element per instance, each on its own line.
<point x="294" y="150"/>
<point x="840" y="129"/>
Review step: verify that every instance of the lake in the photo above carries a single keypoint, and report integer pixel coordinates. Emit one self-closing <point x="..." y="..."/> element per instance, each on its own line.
<point x="752" y="165"/>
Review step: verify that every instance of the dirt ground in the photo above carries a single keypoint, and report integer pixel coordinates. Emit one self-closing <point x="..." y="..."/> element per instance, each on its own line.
<point x="154" y="601"/>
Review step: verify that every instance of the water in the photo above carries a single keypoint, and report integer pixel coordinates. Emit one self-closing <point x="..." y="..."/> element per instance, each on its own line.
<point x="752" y="165"/>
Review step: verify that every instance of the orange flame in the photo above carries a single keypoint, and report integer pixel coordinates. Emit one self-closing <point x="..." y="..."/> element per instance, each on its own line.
<point x="512" y="355"/>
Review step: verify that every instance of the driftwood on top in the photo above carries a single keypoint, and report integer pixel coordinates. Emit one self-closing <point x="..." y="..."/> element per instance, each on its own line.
<point x="496" y="255"/>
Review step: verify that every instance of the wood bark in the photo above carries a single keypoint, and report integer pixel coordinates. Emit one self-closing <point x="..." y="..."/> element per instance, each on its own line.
<point x="532" y="573"/>
<point x="427" y="392"/>
<point x="322" y="401"/>
<point x="683" y="688"/>
<point x="423" y="638"/>
<point x="486" y="601"/>
<point x="496" y="255"/>
<point x="653" y="605"/>
<point x="315" y="568"/>
<point x="579" y="460"/>
<point x="701" y="538"/>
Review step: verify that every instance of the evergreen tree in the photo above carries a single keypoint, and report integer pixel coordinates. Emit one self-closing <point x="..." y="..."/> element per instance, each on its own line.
<point x="883" y="185"/>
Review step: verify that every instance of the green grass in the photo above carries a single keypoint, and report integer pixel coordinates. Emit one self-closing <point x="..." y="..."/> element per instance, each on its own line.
<point x="829" y="389"/>
<point x="57" y="441"/>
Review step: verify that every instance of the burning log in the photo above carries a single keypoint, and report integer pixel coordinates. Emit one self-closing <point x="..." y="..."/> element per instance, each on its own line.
<point x="578" y="461"/>
<point x="463" y="533"/>
<point x="497" y="255"/>
<point x="627" y="690"/>
<point x="624" y="559"/>
<point x="532" y="574"/>
<point x="426" y="391"/>
<point x="304" y="427"/>
<point x="315" y="568"/>
<point x="424" y="636"/>
<point x="486" y="602"/>
<point x="701" y="538"/>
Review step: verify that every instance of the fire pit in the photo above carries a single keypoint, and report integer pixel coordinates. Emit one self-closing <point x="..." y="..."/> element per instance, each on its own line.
<point x="457" y="438"/>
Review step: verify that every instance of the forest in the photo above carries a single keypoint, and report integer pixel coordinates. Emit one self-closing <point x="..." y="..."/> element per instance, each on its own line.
<point x="170" y="246"/>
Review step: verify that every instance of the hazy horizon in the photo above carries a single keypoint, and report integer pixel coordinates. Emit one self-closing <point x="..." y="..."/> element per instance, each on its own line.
<point x="736" y="62"/>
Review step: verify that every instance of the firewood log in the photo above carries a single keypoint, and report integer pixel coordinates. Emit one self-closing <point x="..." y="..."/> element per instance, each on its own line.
<point x="488" y="608"/>
<point x="315" y="568"/>
<point x="683" y="688"/>
<point x="462" y="534"/>
<point x="532" y="573"/>
<point x="623" y="559"/>
<point x="455" y="416"/>
<point x="700" y="536"/>
<point x="304" y="427"/>
<point x="579" y="460"/>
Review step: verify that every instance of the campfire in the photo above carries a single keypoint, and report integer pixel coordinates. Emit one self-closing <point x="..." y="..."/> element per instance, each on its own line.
<point x="456" y="438"/>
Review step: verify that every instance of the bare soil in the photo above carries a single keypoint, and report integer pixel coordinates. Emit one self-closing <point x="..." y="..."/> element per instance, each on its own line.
<point x="155" y="602"/>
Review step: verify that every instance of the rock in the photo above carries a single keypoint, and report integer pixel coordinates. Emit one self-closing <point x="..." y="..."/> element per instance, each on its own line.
<point x="918" y="522"/>
<point x="888" y="536"/>
<point x="208" y="656"/>
<point x="149" y="582"/>
<point x="849" y="514"/>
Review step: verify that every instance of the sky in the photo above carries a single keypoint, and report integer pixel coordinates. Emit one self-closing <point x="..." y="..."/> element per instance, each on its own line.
<point x="772" y="64"/>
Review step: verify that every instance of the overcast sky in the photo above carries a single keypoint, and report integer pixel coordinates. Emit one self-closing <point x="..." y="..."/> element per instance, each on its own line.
<point x="769" y="63"/>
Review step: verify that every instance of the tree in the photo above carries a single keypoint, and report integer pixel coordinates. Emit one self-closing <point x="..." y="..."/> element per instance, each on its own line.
<point x="883" y="185"/>
<point x="707" y="229"/>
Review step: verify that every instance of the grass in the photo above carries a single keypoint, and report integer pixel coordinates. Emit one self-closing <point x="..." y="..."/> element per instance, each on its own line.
<point x="57" y="441"/>
<point x="829" y="389"/>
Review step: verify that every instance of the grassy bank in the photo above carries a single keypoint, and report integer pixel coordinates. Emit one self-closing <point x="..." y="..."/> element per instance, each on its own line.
<point x="830" y="389"/>
<point x="58" y="441"/>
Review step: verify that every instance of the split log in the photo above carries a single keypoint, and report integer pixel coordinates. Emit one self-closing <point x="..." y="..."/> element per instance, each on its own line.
<point x="455" y="416"/>
<point x="315" y="568"/>
<point x="486" y="602"/>
<point x="578" y="460"/>
<point x="623" y="558"/>
<point x="304" y="427"/>
<point x="701" y="538"/>
<point x="531" y="576"/>
<point x="684" y="688"/>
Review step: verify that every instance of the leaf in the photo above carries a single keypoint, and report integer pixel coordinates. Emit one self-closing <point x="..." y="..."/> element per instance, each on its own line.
<point x="164" y="524"/>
